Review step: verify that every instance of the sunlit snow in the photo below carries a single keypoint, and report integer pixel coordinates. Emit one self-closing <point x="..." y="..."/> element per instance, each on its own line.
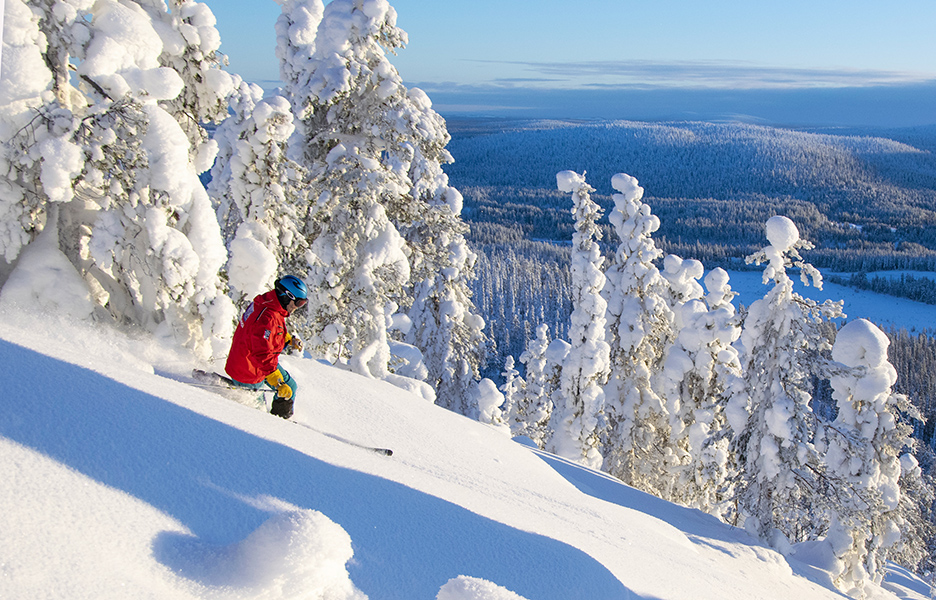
<point x="122" y="481"/>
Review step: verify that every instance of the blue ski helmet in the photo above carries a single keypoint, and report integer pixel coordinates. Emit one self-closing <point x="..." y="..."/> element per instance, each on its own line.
<point x="292" y="288"/>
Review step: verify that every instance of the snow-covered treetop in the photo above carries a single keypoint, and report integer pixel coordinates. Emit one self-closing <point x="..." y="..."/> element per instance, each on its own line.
<point x="781" y="232"/>
<point x="782" y="235"/>
<point x="295" y="44"/>
<point x="861" y="343"/>
<point x="719" y="294"/>
<point x="627" y="205"/>
<point x="783" y="252"/>
<point x="339" y="49"/>
<point x="569" y="181"/>
<point x="627" y="185"/>
<point x="683" y="276"/>
<point x="557" y="351"/>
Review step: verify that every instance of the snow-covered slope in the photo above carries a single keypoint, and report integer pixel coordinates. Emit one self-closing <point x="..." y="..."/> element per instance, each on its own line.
<point x="121" y="481"/>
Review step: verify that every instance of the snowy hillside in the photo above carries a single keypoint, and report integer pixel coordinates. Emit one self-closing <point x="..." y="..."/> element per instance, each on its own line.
<point x="120" y="481"/>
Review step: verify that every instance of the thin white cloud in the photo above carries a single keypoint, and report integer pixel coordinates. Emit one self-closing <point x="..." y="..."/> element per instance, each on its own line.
<point x="695" y="74"/>
<point x="891" y="105"/>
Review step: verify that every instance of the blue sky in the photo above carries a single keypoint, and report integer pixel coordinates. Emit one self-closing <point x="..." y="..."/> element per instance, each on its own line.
<point x="795" y="62"/>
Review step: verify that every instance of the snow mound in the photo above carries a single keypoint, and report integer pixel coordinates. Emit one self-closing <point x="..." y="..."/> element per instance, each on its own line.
<point x="471" y="588"/>
<point x="45" y="280"/>
<point x="489" y="400"/>
<point x="904" y="584"/>
<point x="819" y="556"/>
<point x="299" y="553"/>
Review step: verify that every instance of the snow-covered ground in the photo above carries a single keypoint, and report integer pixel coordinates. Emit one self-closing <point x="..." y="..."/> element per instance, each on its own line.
<point x="882" y="309"/>
<point x="121" y="481"/>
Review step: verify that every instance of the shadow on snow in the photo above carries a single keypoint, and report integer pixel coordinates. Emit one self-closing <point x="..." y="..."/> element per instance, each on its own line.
<point x="204" y="473"/>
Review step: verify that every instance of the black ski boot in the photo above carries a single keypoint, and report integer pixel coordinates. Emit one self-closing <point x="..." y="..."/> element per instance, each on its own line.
<point x="282" y="407"/>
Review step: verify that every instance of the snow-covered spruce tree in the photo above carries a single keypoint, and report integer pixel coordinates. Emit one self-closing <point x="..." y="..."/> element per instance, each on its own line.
<point x="533" y="409"/>
<point x="446" y="325"/>
<point x="489" y="400"/>
<point x="640" y="329"/>
<point x="782" y="493"/>
<point x="726" y="413"/>
<point x="862" y="449"/>
<point x="677" y="382"/>
<point x="296" y="28"/>
<point x="579" y="398"/>
<point x="556" y="355"/>
<point x="103" y="157"/>
<point x="513" y="389"/>
<point x="701" y="374"/>
<point x="346" y="91"/>
<point x="358" y="268"/>
<point x="917" y="511"/>
<point x="190" y="47"/>
<point x="226" y="201"/>
<point x="358" y="264"/>
<point x="257" y="193"/>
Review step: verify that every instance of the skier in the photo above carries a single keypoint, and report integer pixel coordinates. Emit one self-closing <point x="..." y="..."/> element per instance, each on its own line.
<point x="260" y="337"/>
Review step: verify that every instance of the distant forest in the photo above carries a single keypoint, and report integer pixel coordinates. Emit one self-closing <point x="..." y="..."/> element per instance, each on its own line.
<point x="865" y="198"/>
<point x="868" y="202"/>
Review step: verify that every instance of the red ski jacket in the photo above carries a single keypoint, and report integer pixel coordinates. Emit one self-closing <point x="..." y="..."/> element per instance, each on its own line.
<point x="258" y="340"/>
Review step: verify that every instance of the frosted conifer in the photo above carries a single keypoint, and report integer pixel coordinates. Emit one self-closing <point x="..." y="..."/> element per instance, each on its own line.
<point x="358" y="265"/>
<point x="106" y="148"/>
<point x="227" y="192"/>
<point x="862" y="449"/>
<point x="257" y="192"/>
<point x="640" y="329"/>
<point x="679" y="383"/>
<point x="513" y="389"/>
<point x="489" y="401"/>
<point x="346" y="92"/>
<point x="702" y="374"/>
<point x="579" y="398"/>
<point x="533" y="409"/>
<point x="781" y="345"/>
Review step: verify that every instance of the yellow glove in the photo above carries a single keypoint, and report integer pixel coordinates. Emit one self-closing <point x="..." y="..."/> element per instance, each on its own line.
<point x="276" y="381"/>
<point x="294" y="342"/>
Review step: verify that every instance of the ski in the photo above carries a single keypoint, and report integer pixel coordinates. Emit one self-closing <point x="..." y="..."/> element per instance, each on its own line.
<point x="220" y="382"/>
<point x="228" y="388"/>
<point x="378" y="450"/>
<point x="207" y="378"/>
